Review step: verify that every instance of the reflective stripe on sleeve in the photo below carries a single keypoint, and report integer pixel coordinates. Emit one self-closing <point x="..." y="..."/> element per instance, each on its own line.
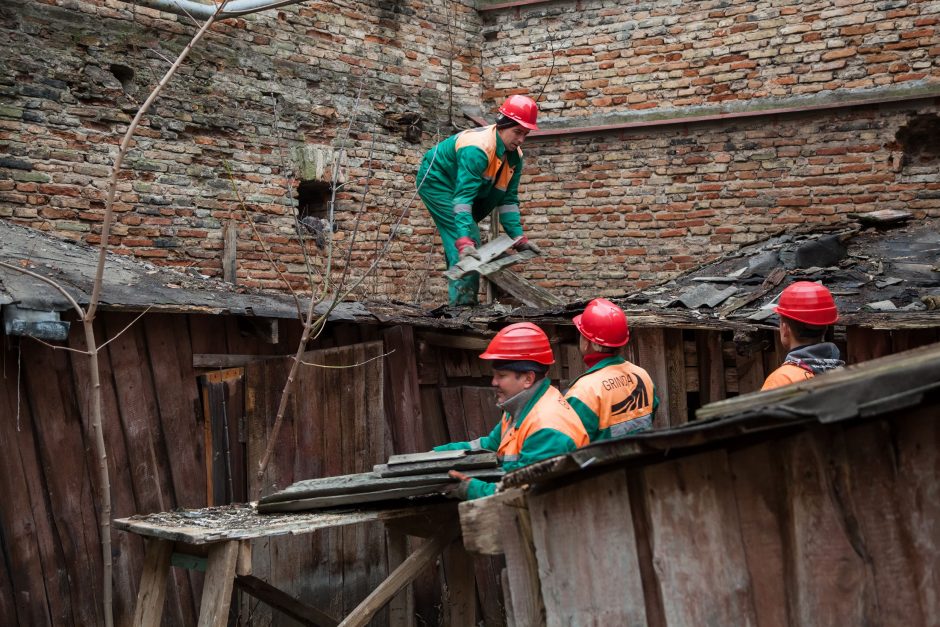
<point x="476" y="445"/>
<point x="503" y="209"/>
<point x="463" y="209"/>
<point x="621" y="429"/>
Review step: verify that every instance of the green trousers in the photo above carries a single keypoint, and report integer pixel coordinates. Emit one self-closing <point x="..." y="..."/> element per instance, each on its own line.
<point x="440" y="204"/>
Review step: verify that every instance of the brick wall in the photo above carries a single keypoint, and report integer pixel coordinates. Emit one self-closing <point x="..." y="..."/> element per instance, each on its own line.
<point x="621" y="209"/>
<point x="267" y="94"/>
<point x="614" y="210"/>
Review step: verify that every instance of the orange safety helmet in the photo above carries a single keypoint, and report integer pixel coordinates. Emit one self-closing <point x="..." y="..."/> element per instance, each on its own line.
<point x="809" y="303"/>
<point x="603" y="323"/>
<point x="522" y="109"/>
<point x="522" y="341"/>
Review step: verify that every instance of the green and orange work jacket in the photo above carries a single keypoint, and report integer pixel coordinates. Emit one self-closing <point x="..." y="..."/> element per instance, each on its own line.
<point x="613" y="398"/>
<point x="471" y="173"/>
<point x="547" y="426"/>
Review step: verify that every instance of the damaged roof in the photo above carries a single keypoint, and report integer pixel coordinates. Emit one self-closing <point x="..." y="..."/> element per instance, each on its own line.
<point x="883" y="271"/>
<point x="130" y="283"/>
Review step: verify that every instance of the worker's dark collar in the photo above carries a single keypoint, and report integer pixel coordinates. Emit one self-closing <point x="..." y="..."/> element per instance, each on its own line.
<point x="539" y="388"/>
<point x="609" y="361"/>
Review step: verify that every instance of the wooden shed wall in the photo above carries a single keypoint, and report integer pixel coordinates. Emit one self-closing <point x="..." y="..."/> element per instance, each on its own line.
<point x="839" y="525"/>
<point x="163" y="436"/>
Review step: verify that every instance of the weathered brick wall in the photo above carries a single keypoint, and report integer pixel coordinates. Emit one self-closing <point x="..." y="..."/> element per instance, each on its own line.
<point x="619" y="209"/>
<point x="614" y="210"/>
<point x="663" y="54"/>
<point x="257" y="90"/>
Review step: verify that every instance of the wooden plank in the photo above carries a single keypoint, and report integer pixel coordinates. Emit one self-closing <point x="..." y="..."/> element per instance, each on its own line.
<point x="229" y="252"/>
<point x="917" y="444"/>
<point x="479" y="524"/>
<point x="527" y="293"/>
<point x="865" y="344"/>
<point x="477" y="461"/>
<point x="711" y="368"/>
<point x="486" y="253"/>
<point x="750" y="369"/>
<point x="339" y="500"/>
<point x="403" y="401"/>
<point x="67" y="484"/>
<point x="868" y="490"/>
<point x="488" y="268"/>
<point x="675" y="380"/>
<point x="432" y="411"/>
<point x="461" y="590"/>
<point x="454" y="415"/>
<point x="504" y="582"/>
<point x="401" y="609"/>
<point x="283" y="602"/>
<point x="588" y="587"/>
<point x="697" y="547"/>
<point x="219" y="361"/>
<point x="760" y="492"/>
<point x="818" y="535"/>
<point x="521" y="563"/>
<point x="24" y="515"/>
<point x="217" y="593"/>
<point x="649" y="344"/>
<point x="427" y="456"/>
<point x="428" y="367"/>
<point x="151" y="596"/>
<point x="455" y="341"/>
<point x="652" y="593"/>
<point x="399" y="578"/>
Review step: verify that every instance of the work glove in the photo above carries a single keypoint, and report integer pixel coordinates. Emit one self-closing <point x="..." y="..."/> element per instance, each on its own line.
<point x="524" y="244"/>
<point x="462" y="490"/>
<point x="466" y="247"/>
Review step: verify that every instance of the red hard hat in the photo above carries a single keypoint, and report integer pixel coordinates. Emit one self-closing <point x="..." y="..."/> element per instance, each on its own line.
<point x="809" y="303"/>
<point x="603" y="323"/>
<point x="522" y="109"/>
<point x="522" y="341"/>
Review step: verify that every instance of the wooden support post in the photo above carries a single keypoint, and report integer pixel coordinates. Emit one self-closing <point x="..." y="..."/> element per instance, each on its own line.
<point x="152" y="593"/>
<point x="217" y="590"/>
<point x="711" y="369"/>
<point x="401" y="609"/>
<point x="399" y="578"/>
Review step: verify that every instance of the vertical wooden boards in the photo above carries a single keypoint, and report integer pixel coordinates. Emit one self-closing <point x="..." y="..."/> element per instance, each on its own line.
<point x="697" y="545"/>
<point x="586" y="550"/>
<point x="677" y="399"/>
<point x="461" y="589"/>
<point x="521" y="564"/>
<point x="761" y="496"/>
<point x="750" y="369"/>
<point x="649" y="347"/>
<point x="831" y="582"/>
<point x="864" y="344"/>
<point x="65" y="475"/>
<point x="177" y="397"/>
<point x="223" y="406"/>
<point x="335" y="425"/>
<point x="711" y="369"/>
<point x="403" y="400"/>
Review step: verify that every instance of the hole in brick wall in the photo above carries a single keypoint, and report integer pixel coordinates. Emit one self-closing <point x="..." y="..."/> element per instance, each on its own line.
<point x="124" y="74"/>
<point x="920" y="138"/>
<point x="313" y="208"/>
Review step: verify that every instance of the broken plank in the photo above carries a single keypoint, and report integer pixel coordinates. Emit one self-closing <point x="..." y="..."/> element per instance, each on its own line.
<point x="216" y="361"/>
<point x="504" y="262"/>
<point x="487" y="252"/>
<point x="461" y="342"/>
<point x="528" y="293"/>
<point x="283" y="602"/>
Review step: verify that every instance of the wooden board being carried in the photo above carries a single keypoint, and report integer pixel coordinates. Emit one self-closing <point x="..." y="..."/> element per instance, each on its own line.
<point x="481" y="459"/>
<point x="488" y="252"/>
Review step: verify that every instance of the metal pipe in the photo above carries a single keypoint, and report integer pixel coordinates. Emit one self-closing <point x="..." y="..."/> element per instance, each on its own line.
<point x="235" y="8"/>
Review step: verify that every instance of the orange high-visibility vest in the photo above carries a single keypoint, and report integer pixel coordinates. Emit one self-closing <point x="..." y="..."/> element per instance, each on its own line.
<point x="617" y="393"/>
<point x="551" y="411"/>
<point x="484" y="138"/>
<point x="785" y="375"/>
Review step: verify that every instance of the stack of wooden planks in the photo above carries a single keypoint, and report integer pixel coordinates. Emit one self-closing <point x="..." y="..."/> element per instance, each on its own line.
<point x="404" y="476"/>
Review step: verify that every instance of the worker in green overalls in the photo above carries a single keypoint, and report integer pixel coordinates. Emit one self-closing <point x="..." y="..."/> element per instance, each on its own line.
<point x="468" y="175"/>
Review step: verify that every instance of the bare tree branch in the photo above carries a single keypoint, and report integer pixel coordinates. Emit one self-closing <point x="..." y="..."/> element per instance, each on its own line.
<point x="129" y="325"/>
<point x="68" y="297"/>
<point x="340" y="367"/>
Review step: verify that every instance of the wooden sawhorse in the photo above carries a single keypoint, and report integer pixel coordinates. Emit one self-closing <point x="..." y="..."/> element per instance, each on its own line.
<point x="225" y="534"/>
